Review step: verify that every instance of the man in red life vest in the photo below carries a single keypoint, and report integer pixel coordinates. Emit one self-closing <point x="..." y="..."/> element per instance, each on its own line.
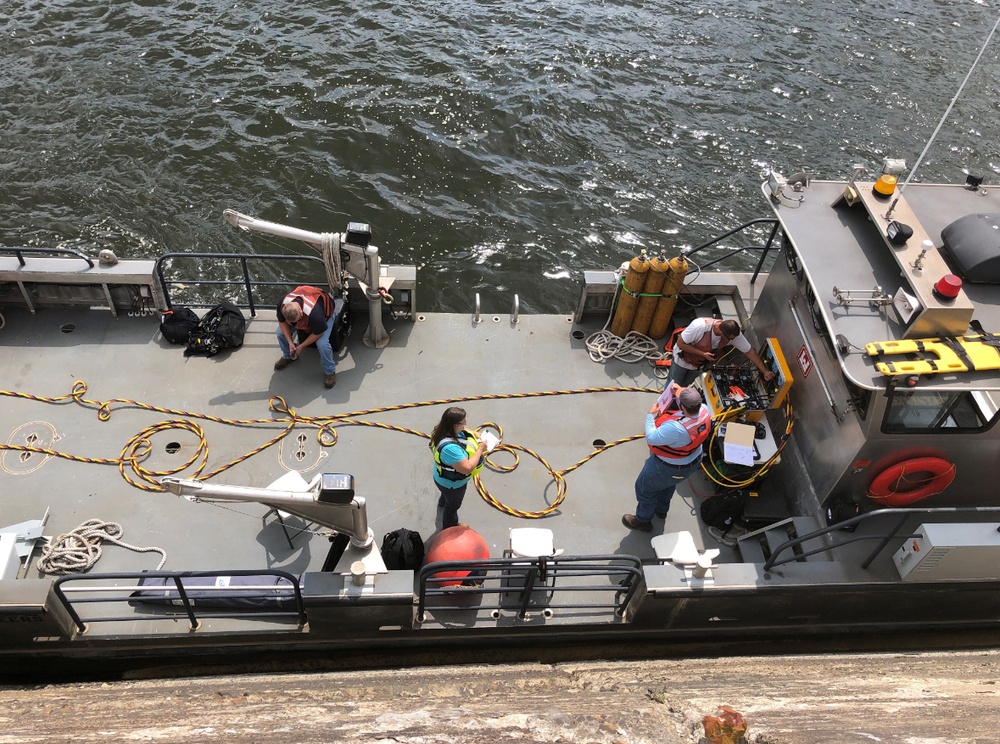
<point x="675" y="436"/>
<point x="701" y="345"/>
<point x="309" y="310"/>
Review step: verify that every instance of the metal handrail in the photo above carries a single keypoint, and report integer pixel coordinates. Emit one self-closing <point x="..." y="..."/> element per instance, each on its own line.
<point x="884" y="539"/>
<point x="530" y="571"/>
<point x="182" y="595"/>
<point x="38" y="251"/>
<point x="248" y="281"/>
<point x="765" y="249"/>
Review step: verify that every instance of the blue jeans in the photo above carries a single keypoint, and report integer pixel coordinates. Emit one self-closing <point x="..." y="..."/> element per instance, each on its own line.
<point x="681" y="375"/>
<point x="326" y="359"/>
<point x="656" y="483"/>
<point x="451" y="499"/>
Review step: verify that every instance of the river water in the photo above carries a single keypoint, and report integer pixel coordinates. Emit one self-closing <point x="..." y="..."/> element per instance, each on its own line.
<point x="500" y="146"/>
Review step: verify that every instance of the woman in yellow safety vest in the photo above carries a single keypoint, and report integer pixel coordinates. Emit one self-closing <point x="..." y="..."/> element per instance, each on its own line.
<point x="458" y="455"/>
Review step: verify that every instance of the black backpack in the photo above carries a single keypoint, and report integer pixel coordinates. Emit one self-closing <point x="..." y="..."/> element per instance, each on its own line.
<point x="403" y="549"/>
<point x="222" y="327"/>
<point x="724" y="510"/>
<point x="176" y="324"/>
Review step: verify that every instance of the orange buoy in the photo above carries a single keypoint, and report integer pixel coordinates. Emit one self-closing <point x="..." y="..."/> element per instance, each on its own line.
<point x="459" y="543"/>
<point x="628" y="298"/>
<point x="911" y="480"/>
<point x="668" y="301"/>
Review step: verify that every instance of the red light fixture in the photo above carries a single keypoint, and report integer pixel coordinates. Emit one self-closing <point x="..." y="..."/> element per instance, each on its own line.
<point x="948" y="287"/>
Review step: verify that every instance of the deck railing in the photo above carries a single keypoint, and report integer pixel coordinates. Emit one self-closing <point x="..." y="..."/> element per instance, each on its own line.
<point x="765" y="249"/>
<point x="903" y="512"/>
<point x="176" y="598"/>
<point x="43" y="253"/>
<point x="607" y="583"/>
<point x="247" y="281"/>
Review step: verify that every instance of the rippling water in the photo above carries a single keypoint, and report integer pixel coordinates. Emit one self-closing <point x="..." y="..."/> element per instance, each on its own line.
<point x="500" y="146"/>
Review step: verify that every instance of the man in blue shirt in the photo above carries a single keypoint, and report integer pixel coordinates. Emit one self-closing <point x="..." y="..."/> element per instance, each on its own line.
<point x="675" y="435"/>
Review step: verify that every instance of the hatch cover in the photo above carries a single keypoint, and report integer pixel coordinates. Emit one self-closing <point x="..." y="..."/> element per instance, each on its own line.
<point x="35" y="434"/>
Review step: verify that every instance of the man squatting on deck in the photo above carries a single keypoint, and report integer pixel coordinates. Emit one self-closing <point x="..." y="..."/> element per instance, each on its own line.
<point x="675" y="437"/>
<point x="458" y="455"/>
<point x="310" y="310"/>
<point x="698" y="348"/>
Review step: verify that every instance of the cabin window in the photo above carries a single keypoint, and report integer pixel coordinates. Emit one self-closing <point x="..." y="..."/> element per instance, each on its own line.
<point x="922" y="410"/>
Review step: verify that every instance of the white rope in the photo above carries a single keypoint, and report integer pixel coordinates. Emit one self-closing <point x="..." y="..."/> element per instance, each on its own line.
<point x="603" y="345"/>
<point x="79" y="550"/>
<point x="330" y="250"/>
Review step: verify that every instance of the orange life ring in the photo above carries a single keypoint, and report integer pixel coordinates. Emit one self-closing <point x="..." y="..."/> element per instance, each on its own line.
<point x="911" y="480"/>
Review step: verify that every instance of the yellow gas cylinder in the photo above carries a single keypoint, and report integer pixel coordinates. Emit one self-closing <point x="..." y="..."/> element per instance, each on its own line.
<point x="628" y="298"/>
<point x="658" y="268"/>
<point x="678" y="268"/>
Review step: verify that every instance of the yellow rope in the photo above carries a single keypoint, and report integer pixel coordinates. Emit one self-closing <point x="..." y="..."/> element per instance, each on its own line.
<point x="756" y="473"/>
<point x="138" y="448"/>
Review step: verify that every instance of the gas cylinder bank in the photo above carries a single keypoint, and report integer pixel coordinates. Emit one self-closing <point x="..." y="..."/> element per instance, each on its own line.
<point x="648" y="295"/>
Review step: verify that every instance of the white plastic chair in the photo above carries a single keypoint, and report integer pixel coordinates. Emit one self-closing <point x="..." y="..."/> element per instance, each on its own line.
<point x="679" y="549"/>
<point x="532" y="542"/>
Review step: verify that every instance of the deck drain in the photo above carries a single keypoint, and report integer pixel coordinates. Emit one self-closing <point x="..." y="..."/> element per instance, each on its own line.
<point x="600" y="443"/>
<point x="172" y="448"/>
<point x="578" y="335"/>
<point x="67" y="328"/>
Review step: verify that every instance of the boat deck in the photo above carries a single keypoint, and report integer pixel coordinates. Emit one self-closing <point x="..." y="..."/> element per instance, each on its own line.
<point x="517" y="376"/>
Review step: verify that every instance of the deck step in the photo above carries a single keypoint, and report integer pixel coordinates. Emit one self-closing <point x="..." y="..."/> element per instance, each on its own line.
<point x="727" y="308"/>
<point x="778" y="535"/>
<point x="751" y="550"/>
<point x="805" y="525"/>
<point x="759" y="545"/>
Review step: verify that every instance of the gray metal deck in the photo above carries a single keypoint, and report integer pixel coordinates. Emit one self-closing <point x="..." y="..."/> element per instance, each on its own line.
<point x="437" y="358"/>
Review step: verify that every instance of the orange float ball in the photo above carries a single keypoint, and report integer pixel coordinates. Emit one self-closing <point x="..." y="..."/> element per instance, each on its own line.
<point x="459" y="543"/>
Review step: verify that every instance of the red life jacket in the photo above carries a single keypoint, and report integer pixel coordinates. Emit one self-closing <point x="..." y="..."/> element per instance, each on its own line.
<point x="309" y="296"/>
<point x="698" y="428"/>
<point x="705" y="344"/>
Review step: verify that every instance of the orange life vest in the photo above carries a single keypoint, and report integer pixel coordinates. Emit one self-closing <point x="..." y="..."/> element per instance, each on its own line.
<point x="705" y="344"/>
<point x="309" y="296"/>
<point x="698" y="428"/>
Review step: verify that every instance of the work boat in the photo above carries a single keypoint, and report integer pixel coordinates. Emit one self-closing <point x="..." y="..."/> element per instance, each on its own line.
<point x="163" y="505"/>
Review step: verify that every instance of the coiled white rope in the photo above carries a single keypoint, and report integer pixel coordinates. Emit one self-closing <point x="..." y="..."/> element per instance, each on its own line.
<point x="79" y="550"/>
<point x="603" y="345"/>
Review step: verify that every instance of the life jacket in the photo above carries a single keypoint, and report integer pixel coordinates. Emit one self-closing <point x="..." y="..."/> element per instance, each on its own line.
<point x="309" y="296"/>
<point x="466" y="440"/>
<point x="705" y="344"/>
<point x="698" y="428"/>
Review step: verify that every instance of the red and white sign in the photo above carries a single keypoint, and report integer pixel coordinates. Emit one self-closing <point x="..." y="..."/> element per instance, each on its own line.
<point x="805" y="361"/>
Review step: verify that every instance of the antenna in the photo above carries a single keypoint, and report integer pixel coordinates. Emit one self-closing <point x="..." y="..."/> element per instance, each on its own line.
<point x="950" y="105"/>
